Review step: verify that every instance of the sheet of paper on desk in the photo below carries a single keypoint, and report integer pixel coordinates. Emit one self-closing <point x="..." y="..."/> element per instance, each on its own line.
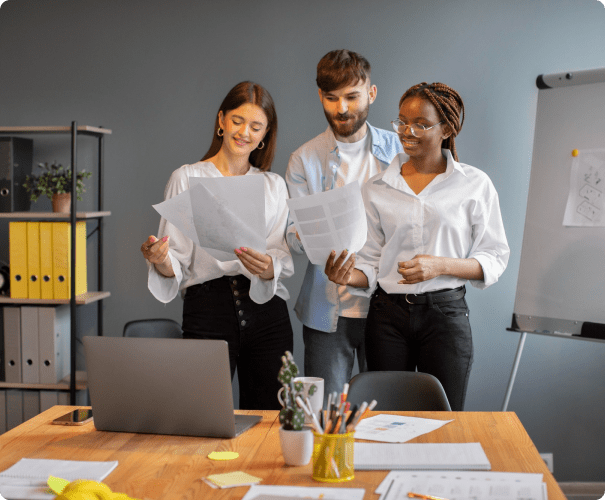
<point x="420" y="456"/>
<point x="266" y="492"/>
<point x="220" y="214"/>
<point x="331" y="220"/>
<point x="27" y="479"/>
<point x="395" y="428"/>
<point x="463" y="485"/>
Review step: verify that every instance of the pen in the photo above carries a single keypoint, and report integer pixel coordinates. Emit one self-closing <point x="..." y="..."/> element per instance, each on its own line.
<point x="411" y="494"/>
<point x="369" y="409"/>
<point x="345" y="392"/>
<point x="311" y="415"/>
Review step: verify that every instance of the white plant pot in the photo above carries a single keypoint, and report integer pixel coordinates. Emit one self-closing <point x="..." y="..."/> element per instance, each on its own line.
<point x="296" y="446"/>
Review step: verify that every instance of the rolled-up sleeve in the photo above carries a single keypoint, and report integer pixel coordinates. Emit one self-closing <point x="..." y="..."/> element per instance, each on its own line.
<point x="490" y="247"/>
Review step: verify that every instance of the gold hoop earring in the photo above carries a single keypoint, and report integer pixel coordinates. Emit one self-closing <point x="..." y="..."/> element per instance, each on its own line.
<point x="219" y="132"/>
<point x="261" y="145"/>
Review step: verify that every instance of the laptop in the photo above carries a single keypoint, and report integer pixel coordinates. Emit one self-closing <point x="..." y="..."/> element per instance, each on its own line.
<point x="162" y="386"/>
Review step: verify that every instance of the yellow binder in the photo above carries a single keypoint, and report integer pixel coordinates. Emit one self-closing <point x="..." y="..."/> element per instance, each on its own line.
<point x="46" y="260"/>
<point x="17" y="242"/>
<point x="33" y="260"/>
<point x="62" y="259"/>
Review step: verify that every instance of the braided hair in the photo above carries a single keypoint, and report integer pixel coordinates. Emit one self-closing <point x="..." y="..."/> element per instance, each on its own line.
<point x="449" y="105"/>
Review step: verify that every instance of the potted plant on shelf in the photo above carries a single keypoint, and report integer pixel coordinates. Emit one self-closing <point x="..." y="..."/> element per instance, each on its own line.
<point x="296" y="439"/>
<point x="55" y="183"/>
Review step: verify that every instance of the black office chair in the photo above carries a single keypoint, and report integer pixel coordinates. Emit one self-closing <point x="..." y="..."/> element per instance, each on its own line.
<point x="157" y="328"/>
<point x="399" y="391"/>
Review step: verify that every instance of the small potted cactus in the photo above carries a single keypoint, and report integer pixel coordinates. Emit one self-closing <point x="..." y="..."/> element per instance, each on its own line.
<point x="296" y="439"/>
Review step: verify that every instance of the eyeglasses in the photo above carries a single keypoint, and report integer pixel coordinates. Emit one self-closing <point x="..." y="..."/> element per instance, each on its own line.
<point x="417" y="129"/>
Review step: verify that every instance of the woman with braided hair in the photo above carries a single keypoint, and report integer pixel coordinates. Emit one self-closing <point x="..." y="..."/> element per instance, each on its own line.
<point x="433" y="224"/>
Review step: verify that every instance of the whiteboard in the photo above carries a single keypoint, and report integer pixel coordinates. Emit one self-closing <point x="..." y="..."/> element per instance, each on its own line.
<point x="561" y="280"/>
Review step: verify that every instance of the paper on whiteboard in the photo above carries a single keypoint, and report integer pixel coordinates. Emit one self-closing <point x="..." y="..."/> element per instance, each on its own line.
<point x="331" y="220"/>
<point x="220" y="214"/>
<point x="585" y="205"/>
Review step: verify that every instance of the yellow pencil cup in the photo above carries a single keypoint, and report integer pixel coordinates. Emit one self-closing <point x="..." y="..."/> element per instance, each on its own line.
<point x="333" y="457"/>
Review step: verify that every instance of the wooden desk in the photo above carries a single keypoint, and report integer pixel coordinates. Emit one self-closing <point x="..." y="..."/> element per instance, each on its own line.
<point x="170" y="467"/>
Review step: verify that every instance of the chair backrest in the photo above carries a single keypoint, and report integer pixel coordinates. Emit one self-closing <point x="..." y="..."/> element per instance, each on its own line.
<point x="399" y="391"/>
<point x="156" y="328"/>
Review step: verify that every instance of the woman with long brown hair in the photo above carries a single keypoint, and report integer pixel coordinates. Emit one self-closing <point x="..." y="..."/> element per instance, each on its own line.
<point x="433" y="224"/>
<point x="242" y="300"/>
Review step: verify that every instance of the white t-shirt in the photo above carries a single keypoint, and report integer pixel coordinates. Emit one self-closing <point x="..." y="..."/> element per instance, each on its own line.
<point x="357" y="163"/>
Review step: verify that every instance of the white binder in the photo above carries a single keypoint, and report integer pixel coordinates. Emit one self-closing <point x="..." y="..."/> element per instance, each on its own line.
<point x="12" y="344"/>
<point x="31" y="404"/>
<point x="30" y="358"/>
<point x="14" y="408"/>
<point x="53" y="341"/>
<point x="2" y="411"/>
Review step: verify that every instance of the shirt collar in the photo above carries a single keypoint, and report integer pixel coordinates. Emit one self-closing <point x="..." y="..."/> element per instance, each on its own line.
<point x="392" y="175"/>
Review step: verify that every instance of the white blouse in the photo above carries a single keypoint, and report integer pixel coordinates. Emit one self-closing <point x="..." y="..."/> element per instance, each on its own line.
<point x="456" y="215"/>
<point x="193" y="265"/>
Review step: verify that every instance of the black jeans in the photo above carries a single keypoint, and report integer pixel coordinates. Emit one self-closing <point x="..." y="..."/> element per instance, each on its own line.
<point x="257" y="334"/>
<point x="436" y="340"/>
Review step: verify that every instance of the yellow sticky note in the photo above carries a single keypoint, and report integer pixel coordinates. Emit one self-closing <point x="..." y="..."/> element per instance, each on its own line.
<point x="233" y="479"/>
<point x="223" y="455"/>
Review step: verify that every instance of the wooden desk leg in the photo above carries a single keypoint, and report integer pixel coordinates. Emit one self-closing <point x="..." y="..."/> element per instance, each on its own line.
<point x="513" y="373"/>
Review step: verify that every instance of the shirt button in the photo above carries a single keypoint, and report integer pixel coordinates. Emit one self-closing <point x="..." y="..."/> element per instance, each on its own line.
<point x="236" y="293"/>
<point x="243" y="322"/>
<point x="238" y="302"/>
<point x="241" y="313"/>
<point x="235" y="282"/>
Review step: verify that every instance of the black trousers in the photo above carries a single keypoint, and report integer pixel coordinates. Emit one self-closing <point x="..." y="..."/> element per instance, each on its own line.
<point x="433" y="338"/>
<point x="257" y="334"/>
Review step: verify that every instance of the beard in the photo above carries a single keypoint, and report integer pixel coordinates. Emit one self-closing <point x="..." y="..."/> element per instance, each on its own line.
<point x="347" y="130"/>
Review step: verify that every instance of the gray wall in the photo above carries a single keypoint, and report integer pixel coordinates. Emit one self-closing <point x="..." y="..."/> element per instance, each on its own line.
<point x="155" y="72"/>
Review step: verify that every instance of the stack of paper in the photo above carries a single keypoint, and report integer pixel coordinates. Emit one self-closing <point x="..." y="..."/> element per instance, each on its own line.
<point x="419" y="456"/>
<point x="464" y="485"/>
<point x="27" y="479"/>
<point x="258" y="492"/>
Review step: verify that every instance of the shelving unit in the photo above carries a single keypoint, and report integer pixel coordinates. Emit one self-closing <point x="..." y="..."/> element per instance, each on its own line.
<point x="74" y="130"/>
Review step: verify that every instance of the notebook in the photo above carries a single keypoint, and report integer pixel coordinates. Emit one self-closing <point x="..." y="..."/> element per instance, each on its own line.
<point x="420" y="456"/>
<point x="162" y="386"/>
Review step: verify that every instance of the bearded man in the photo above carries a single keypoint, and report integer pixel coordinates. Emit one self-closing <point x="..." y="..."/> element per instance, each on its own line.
<point x="350" y="150"/>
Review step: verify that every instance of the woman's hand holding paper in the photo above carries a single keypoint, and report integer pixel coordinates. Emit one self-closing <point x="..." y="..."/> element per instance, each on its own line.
<point x="257" y="263"/>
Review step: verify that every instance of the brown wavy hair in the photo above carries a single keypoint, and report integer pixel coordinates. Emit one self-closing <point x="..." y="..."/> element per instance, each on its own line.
<point x="249" y="93"/>
<point x="340" y="68"/>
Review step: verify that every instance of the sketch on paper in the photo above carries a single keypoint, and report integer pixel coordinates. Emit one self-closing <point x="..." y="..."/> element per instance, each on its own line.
<point x="586" y="189"/>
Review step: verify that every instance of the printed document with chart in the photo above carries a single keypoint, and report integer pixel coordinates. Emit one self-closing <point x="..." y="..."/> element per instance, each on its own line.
<point x="331" y="220"/>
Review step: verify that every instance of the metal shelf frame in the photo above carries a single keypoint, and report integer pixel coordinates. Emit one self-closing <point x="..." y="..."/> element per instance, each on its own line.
<point x="74" y="131"/>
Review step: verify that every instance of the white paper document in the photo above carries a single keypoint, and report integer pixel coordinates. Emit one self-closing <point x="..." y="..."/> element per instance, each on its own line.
<point x="395" y="428"/>
<point x="420" y="456"/>
<point x="331" y="220"/>
<point x="27" y="479"/>
<point x="220" y="214"/>
<point x="464" y="485"/>
<point x="263" y="492"/>
<point x="585" y="203"/>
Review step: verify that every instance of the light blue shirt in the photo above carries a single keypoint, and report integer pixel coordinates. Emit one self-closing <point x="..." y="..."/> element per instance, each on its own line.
<point x="312" y="169"/>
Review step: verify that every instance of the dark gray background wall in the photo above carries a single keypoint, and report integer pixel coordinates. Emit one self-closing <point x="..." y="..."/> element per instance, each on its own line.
<point x="155" y="72"/>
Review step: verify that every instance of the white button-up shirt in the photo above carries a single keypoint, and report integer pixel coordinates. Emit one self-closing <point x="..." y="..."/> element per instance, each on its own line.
<point x="456" y="215"/>
<point x="193" y="265"/>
